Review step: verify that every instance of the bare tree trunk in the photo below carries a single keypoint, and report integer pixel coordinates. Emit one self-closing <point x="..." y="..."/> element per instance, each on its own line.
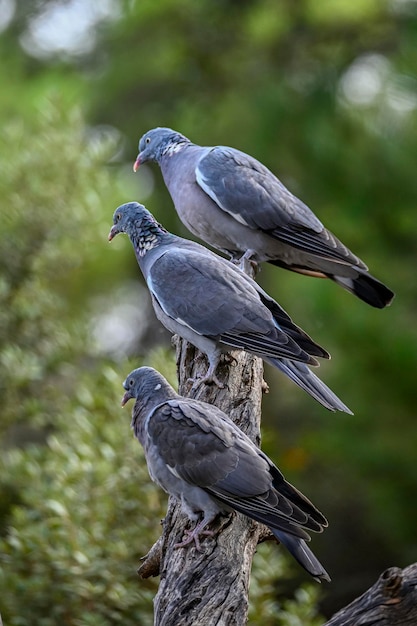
<point x="391" y="601"/>
<point x="210" y="587"/>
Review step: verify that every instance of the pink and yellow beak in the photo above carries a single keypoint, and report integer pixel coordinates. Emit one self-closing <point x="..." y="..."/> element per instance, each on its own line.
<point x="136" y="164"/>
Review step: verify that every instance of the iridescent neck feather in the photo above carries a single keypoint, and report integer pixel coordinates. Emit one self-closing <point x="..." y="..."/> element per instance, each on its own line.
<point x="146" y="235"/>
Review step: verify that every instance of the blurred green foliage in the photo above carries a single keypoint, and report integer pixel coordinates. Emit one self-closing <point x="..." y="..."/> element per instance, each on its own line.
<point x="325" y="94"/>
<point x="73" y="487"/>
<point x="69" y="553"/>
<point x="265" y="609"/>
<point x="41" y="268"/>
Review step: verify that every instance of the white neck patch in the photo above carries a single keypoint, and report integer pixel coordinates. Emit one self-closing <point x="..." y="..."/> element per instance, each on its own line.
<point x="173" y="148"/>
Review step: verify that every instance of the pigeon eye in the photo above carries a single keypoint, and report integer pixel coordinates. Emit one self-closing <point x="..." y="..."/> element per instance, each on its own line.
<point x="118" y="217"/>
<point x="131" y="382"/>
<point x="148" y="140"/>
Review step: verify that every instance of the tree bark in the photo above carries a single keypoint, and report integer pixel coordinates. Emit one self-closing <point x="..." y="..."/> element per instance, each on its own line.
<point x="391" y="601"/>
<point x="210" y="587"/>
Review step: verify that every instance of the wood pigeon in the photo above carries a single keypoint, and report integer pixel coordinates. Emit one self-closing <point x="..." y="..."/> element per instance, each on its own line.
<point x="210" y="302"/>
<point x="235" y="204"/>
<point x="198" y="455"/>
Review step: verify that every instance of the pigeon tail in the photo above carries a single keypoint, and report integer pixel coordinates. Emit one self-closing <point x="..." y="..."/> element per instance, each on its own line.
<point x="302" y="376"/>
<point x="367" y="288"/>
<point x="302" y="553"/>
<point x="364" y="286"/>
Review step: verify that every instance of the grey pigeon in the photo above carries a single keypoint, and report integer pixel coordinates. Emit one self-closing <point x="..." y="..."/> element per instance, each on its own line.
<point x="213" y="304"/>
<point x="199" y="456"/>
<point x="234" y="203"/>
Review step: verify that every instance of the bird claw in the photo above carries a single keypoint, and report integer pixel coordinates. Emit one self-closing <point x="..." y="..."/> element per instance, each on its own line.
<point x="193" y="535"/>
<point x="208" y="379"/>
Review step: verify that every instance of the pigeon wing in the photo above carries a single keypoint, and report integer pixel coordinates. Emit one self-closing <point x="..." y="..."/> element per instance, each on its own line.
<point x="253" y="195"/>
<point x="199" y="291"/>
<point x="204" y="448"/>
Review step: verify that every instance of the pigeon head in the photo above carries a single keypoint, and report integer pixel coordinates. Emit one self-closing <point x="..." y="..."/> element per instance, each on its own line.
<point x="158" y="142"/>
<point x="136" y="221"/>
<point x="145" y="384"/>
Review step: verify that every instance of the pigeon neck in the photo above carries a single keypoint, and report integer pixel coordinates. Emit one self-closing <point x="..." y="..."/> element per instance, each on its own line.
<point x="175" y="146"/>
<point x="149" y="235"/>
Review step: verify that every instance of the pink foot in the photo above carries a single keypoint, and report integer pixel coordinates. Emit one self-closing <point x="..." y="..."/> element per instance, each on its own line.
<point x="193" y="535"/>
<point x="208" y="379"/>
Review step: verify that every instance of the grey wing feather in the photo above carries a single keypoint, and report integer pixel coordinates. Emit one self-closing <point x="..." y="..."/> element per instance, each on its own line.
<point x="197" y="445"/>
<point x="206" y="449"/>
<point x="323" y="244"/>
<point x="216" y="303"/>
<point x="204" y="298"/>
<point x="253" y="195"/>
<point x="274" y="502"/>
<point x="245" y="188"/>
<point x="285" y="322"/>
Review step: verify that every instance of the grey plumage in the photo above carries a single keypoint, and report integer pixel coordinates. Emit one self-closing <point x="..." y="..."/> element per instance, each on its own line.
<point x="199" y="456"/>
<point x="214" y="305"/>
<point x="234" y="203"/>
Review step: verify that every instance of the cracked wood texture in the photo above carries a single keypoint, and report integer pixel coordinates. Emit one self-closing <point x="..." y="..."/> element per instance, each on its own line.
<point x="391" y="601"/>
<point x="210" y="587"/>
